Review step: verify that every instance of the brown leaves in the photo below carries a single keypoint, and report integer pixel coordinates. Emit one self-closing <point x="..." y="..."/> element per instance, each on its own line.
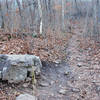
<point x="14" y="46"/>
<point x="6" y="14"/>
<point x="17" y="10"/>
<point x="92" y="47"/>
<point x="57" y="7"/>
<point x="5" y="95"/>
<point x="50" y="48"/>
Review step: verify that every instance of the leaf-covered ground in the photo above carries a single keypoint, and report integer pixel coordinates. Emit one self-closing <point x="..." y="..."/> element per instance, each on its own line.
<point x="81" y="82"/>
<point x="84" y="59"/>
<point x="50" y="48"/>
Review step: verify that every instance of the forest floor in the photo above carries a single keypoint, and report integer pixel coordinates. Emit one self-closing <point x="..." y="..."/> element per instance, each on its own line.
<point x="75" y="78"/>
<point x="84" y="59"/>
<point x="79" y="78"/>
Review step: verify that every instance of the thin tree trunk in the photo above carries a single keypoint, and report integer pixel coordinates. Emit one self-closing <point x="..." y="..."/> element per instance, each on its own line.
<point x="8" y="26"/>
<point x="77" y="8"/>
<point x="40" y="13"/>
<point x="63" y="11"/>
<point x="20" y="13"/>
<point x="2" y="17"/>
<point x="96" y="17"/>
<point x="31" y="13"/>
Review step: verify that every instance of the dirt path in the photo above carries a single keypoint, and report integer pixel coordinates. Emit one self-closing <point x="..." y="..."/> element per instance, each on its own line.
<point x="53" y="83"/>
<point x="79" y="81"/>
<point x="86" y="74"/>
<point x="56" y="78"/>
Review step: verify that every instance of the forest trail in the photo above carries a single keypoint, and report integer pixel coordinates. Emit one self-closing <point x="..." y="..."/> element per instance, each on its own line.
<point x="53" y="83"/>
<point x="56" y="78"/>
<point x="74" y="82"/>
<point x="77" y="78"/>
<point x="84" y="69"/>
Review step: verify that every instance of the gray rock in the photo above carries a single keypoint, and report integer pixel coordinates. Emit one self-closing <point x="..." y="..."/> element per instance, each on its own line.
<point x="66" y="73"/>
<point x="28" y="79"/>
<point x="26" y="97"/>
<point x="25" y="85"/>
<point x="15" y="68"/>
<point x="79" y="64"/>
<point x="98" y="88"/>
<point x="62" y="91"/>
<point x="15" y="74"/>
<point x="76" y="90"/>
<point x="44" y="84"/>
<point x="57" y="61"/>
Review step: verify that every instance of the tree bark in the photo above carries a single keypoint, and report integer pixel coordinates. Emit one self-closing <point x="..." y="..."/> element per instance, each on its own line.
<point x="96" y="17"/>
<point x="63" y="11"/>
<point x="40" y="13"/>
<point x="2" y="17"/>
<point x="20" y="13"/>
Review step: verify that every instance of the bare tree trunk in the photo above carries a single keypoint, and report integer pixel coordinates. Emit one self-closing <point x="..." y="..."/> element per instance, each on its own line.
<point x="2" y="17"/>
<point x="40" y="13"/>
<point x="77" y="8"/>
<point x="96" y="19"/>
<point x="86" y="27"/>
<point x="63" y="11"/>
<point x="31" y="13"/>
<point x="8" y="26"/>
<point x="20" y="13"/>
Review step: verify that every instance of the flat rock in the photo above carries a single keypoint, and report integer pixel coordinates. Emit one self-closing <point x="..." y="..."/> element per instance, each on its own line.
<point x="17" y="68"/>
<point x="25" y="85"/>
<point x="58" y="61"/>
<point x="26" y="97"/>
<point x="62" y="91"/>
<point x="44" y="84"/>
<point x="76" y="90"/>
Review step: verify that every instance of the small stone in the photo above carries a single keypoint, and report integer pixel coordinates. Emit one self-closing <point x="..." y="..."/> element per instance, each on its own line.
<point x="28" y="79"/>
<point x="79" y="64"/>
<point x="58" y="61"/>
<point x="60" y="85"/>
<point x="52" y="82"/>
<point x="66" y="73"/>
<point x="52" y="94"/>
<point x="25" y="85"/>
<point x="44" y="84"/>
<point x="43" y="77"/>
<point x="56" y="65"/>
<point x="62" y="91"/>
<point x="76" y="90"/>
<point x="78" y="59"/>
<point x="98" y="88"/>
<point x="17" y="93"/>
<point x="26" y="97"/>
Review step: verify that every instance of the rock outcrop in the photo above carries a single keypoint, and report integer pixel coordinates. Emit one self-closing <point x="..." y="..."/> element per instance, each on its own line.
<point x="16" y="68"/>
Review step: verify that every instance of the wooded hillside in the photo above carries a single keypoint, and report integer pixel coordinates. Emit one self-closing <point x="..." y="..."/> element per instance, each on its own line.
<point x="49" y="49"/>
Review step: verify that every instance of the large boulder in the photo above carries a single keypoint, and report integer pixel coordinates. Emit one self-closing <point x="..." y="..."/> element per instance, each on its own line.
<point x="17" y="68"/>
